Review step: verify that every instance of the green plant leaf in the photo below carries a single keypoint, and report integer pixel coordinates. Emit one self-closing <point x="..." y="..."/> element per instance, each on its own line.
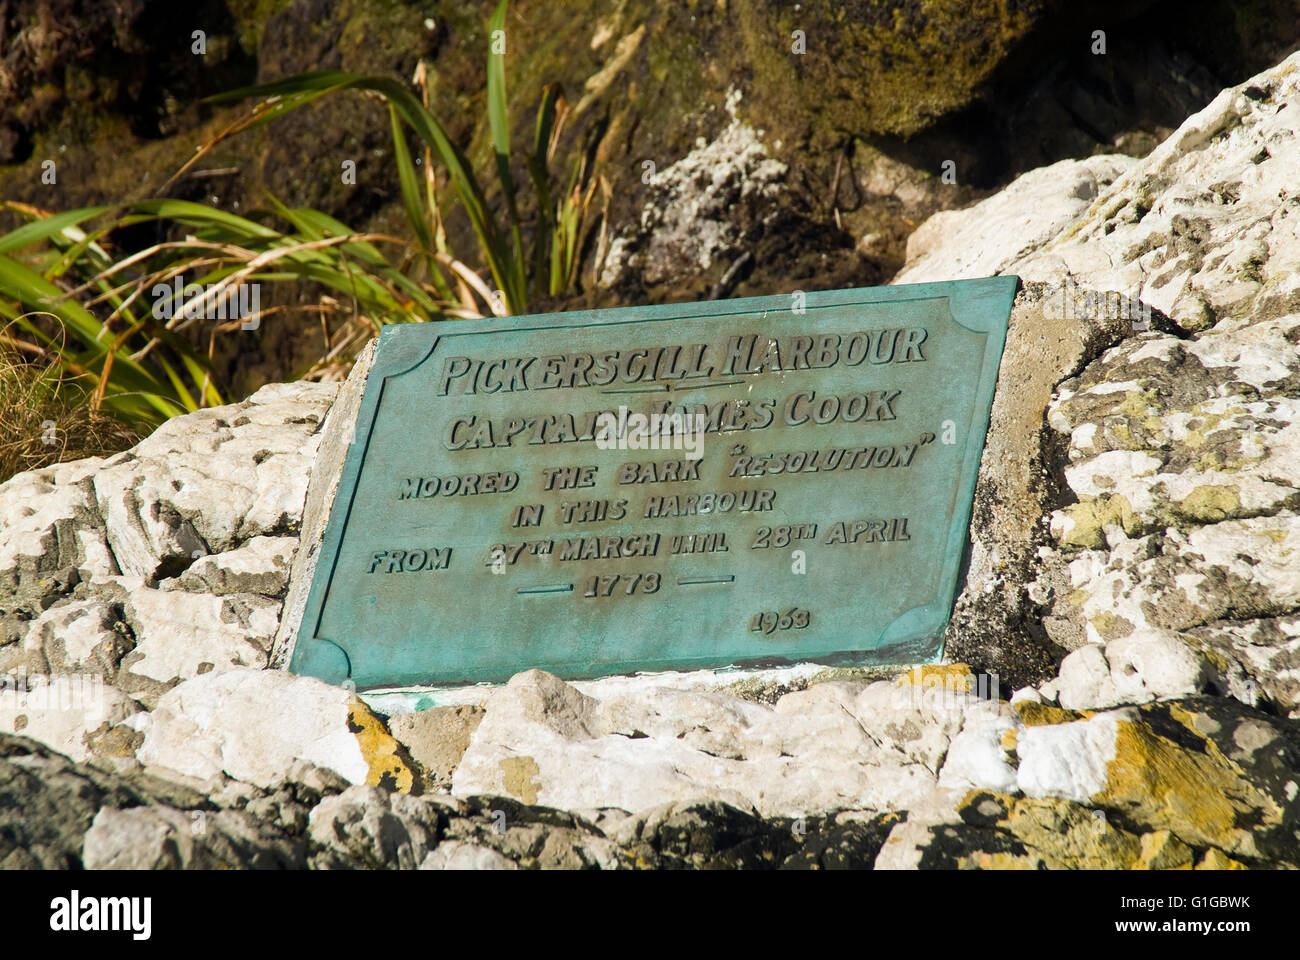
<point x="410" y="183"/>
<point x="499" y="124"/>
<point x="39" y="230"/>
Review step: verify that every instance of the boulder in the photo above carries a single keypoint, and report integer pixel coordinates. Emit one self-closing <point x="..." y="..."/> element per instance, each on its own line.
<point x="833" y="746"/>
<point x="174" y="498"/>
<point x="67" y="713"/>
<point x="436" y="739"/>
<point x="159" y="837"/>
<point x="376" y="828"/>
<point x="252" y="725"/>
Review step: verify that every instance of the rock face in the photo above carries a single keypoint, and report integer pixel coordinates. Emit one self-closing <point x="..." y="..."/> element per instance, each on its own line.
<point x="1168" y="553"/>
<point x="827" y="748"/>
<point x="122" y="577"/>
<point x="1164" y="786"/>
<point x="1132" y="571"/>
<point x="1034" y="209"/>
<point x="709" y="205"/>
<point x="251" y="725"/>
<point x="165" y="562"/>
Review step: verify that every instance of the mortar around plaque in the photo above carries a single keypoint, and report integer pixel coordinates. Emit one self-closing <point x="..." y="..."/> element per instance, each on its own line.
<point x="731" y="484"/>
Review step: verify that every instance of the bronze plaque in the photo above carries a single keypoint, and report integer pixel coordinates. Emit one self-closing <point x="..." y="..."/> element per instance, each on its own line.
<point x="737" y="483"/>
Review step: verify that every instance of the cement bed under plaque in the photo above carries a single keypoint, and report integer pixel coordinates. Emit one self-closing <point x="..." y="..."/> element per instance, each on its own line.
<point x="482" y="525"/>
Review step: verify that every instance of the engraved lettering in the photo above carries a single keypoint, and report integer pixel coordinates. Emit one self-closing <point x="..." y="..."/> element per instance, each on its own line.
<point x="609" y="548"/>
<point x="868" y="531"/>
<point x="453" y="370"/>
<point x="410" y="561"/>
<point x="527" y="515"/>
<point x="912" y="344"/>
<point x="746" y="501"/>
<point x="423" y="488"/>
<point x="661" y="471"/>
<point x="566" y="478"/>
<point x="699" y="543"/>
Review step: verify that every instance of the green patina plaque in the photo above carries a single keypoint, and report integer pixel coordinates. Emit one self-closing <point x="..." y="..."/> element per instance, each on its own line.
<point x="739" y="483"/>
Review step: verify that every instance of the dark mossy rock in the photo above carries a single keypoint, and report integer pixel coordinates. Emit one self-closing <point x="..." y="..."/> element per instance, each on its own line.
<point x="48" y="804"/>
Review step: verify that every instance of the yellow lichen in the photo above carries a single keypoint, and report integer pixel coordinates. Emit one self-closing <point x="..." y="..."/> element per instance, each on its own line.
<point x="1196" y="436"/>
<point x="954" y="676"/>
<point x="979" y="860"/>
<point x="1200" y="796"/>
<point x="1136" y="403"/>
<point x="1161" y="850"/>
<point x="518" y="778"/>
<point x="1109" y="626"/>
<point x="1091" y="517"/>
<point x="1070" y="836"/>
<point x="1041" y="714"/>
<point x="378" y="748"/>
<point x="1209" y="503"/>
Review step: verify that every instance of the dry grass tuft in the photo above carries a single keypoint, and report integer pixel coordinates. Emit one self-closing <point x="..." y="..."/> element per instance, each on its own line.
<point x="46" y="419"/>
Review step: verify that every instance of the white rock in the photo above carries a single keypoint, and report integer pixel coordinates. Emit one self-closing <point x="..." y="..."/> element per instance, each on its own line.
<point x="49" y="521"/>
<point x="1151" y="663"/>
<point x="183" y="635"/>
<point x="832" y="746"/>
<point x="976" y="758"/>
<point x="210" y="481"/>
<point x="1068" y="760"/>
<point x="252" y="725"/>
<point x="260" y="566"/>
<point x="1084" y="681"/>
<point x="63" y="711"/>
<point x="987" y="238"/>
<point x="458" y="855"/>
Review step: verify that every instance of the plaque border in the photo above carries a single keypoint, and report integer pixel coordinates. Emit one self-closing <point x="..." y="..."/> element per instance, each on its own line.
<point x="981" y="306"/>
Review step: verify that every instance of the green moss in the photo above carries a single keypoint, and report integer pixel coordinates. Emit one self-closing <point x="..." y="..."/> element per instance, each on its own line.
<point x="1137" y="403"/>
<point x="250" y="17"/>
<point x="1210" y="503"/>
<point x="1196" y="435"/>
<point x="1091" y="517"/>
